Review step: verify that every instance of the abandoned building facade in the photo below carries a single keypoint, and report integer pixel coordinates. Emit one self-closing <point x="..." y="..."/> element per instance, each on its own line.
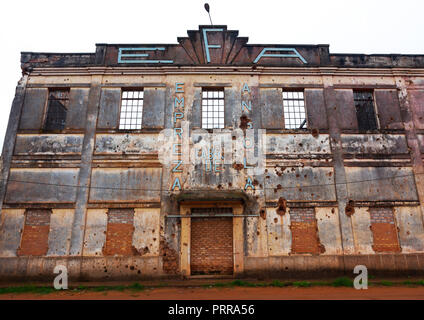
<point x="213" y="157"/>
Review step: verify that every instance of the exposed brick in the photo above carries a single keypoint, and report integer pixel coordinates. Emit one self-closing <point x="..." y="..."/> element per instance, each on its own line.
<point x="169" y="258"/>
<point x="119" y="233"/>
<point x="211" y="246"/>
<point x="120" y="216"/>
<point x="304" y="231"/>
<point x="35" y="235"/>
<point x="384" y="231"/>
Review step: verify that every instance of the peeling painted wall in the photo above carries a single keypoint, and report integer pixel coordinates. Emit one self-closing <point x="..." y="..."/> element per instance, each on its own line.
<point x="361" y="225"/>
<point x="374" y="144"/>
<point x="305" y="183"/>
<point x="146" y="232"/>
<point x="95" y="232"/>
<point x="302" y="145"/>
<point x="60" y="232"/>
<point x="57" y="185"/>
<point x="381" y="183"/>
<point x="279" y="234"/>
<point x="411" y="231"/>
<point x="48" y="144"/>
<point x="126" y="143"/>
<point x="134" y="184"/>
<point x="11" y="227"/>
<point x="329" y="230"/>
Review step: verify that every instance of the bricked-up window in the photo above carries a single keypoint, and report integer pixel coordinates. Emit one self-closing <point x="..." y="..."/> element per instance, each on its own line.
<point x="131" y="109"/>
<point x="35" y="235"/>
<point x="211" y="250"/>
<point x="384" y="230"/>
<point x="119" y="233"/>
<point x="365" y="112"/>
<point x="213" y="108"/>
<point x="57" y="107"/>
<point x="303" y="225"/>
<point x="294" y="110"/>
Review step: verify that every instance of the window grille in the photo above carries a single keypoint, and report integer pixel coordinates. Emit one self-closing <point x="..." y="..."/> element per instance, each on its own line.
<point x="213" y="109"/>
<point x="294" y="110"/>
<point x="56" y="111"/>
<point x="365" y="113"/>
<point x="131" y="109"/>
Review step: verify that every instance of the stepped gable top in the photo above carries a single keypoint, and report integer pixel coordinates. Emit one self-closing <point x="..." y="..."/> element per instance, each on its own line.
<point x="216" y="46"/>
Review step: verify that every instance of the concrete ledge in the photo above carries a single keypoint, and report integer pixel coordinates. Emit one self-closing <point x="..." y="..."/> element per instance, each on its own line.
<point x="150" y="268"/>
<point x="330" y="265"/>
<point x="81" y="268"/>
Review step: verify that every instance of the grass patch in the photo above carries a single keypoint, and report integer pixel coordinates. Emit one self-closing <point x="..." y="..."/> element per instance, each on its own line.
<point x="241" y="283"/>
<point x="302" y="284"/>
<point x="27" y="289"/>
<point x="137" y="287"/>
<point x="386" y="283"/>
<point x="278" y="283"/>
<point x="413" y="283"/>
<point x="234" y="283"/>
<point x="342" y="282"/>
<point x="46" y="290"/>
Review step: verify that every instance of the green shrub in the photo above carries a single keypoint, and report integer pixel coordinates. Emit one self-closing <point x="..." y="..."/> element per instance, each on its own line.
<point x="302" y="284"/>
<point x="342" y="282"/>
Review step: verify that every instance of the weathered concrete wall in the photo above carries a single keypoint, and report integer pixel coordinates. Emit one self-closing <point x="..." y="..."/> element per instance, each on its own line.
<point x="346" y="109"/>
<point x="48" y="144"/>
<point x="271" y="101"/>
<point x="315" y="106"/>
<point x="57" y="185"/>
<point x="60" y="232"/>
<point x="146" y="232"/>
<point x="77" y="109"/>
<point x="95" y="232"/>
<point x="126" y="143"/>
<point x="361" y="223"/>
<point x="11" y="227"/>
<point x="416" y="98"/>
<point x="279" y="234"/>
<point x="381" y="183"/>
<point x="80" y="269"/>
<point x="123" y="185"/>
<point x="388" y="109"/>
<point x="329" y="230"/>
<point x="109" y="108"/>
<point x="366" y="144"/>
<point x="154" y="108"/>
<point x="411" y="231"/>
<point x="302" y="145"/>
<point x="33" y="109"/>
<point x="256" y="235"/>
<point x="300" y="183"/>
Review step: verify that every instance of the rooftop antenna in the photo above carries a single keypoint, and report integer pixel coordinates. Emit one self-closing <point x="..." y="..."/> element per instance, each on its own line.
<point x="207" y="8"/>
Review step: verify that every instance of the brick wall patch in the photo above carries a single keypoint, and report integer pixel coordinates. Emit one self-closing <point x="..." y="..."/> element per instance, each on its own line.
<point x="383" y="227"/>
<point x="35" y="236"/>
<point x="211" y="246"/>
<point x="303" y="225"/>
<point x="119" y="233"/>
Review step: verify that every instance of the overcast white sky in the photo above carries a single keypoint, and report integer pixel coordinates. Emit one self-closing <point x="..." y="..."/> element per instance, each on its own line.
<point x="360" y="26"/>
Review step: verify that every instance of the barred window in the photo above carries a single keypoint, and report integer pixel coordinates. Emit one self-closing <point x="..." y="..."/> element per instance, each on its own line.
<point x="57" y="107"/>
<point x="131" y="109"/>
<point x="365" y="113"/>
<point x="294" y="110"/>
<point x="213" y="109"/>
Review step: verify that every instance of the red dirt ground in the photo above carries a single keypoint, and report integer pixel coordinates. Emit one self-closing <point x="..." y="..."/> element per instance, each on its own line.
<point x="239" y="293"/>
